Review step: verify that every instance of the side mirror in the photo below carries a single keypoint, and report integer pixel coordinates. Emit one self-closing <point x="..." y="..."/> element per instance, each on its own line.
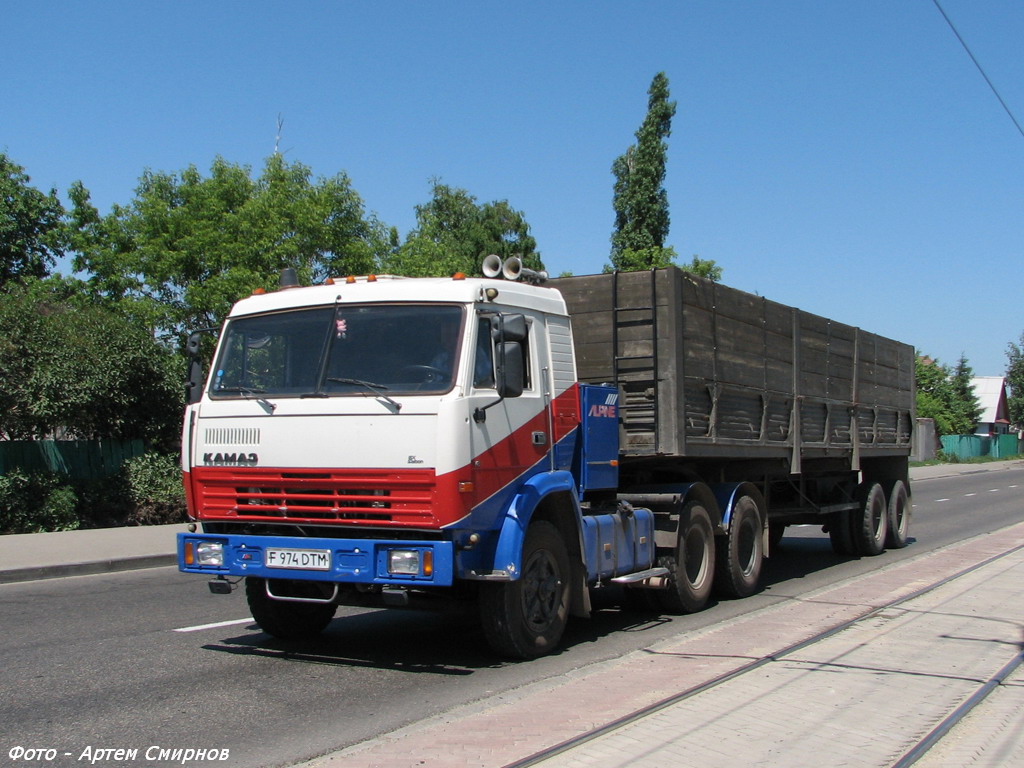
<point x="511" y="370"/>
<point x="193" y="344"/>
<point x="194" y="382"/>
<point x="510" y="328"/>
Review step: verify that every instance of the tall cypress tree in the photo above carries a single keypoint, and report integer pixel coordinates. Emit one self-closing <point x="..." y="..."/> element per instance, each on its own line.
<point x="640" y="199"/>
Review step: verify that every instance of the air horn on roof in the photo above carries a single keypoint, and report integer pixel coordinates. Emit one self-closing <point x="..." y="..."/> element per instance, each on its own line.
<point x="512" y="269"/>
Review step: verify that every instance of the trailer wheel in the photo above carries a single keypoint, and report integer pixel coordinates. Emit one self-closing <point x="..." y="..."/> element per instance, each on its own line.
<point x="526" y="618"/>
<point x="285" y="619"/>
<point x="692" y="568"/>
<point x="741" y="551"/>
<point x="899" y="517"/>
<point x="840" y="534"/>
<point x="870" y="523"/>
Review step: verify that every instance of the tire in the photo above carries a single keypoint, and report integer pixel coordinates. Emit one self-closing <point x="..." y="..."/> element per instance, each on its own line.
<point x="692" y="568"/>
<point x="840" y="533"/>
<point x="741" y="551"/>
<point x="285" y="619"/>
<point x="526" y="618"/>
<point x="899" y="511"/>
<point x="776" y="532"/>
<point x="870" y="523"/>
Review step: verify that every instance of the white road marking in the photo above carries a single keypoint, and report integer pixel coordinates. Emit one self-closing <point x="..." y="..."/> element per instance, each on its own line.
<point x="215" y="625"/>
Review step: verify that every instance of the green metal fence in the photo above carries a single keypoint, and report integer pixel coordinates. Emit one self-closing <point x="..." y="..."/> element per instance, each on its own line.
<point x="78" y="459"/>
<point x="972" y="446"/>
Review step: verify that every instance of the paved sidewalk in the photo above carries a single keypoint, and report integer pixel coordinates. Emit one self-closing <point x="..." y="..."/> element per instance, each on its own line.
<point x="865" y="696"/>
<point x="28" y="556"/>
<point x="850" y="703"/>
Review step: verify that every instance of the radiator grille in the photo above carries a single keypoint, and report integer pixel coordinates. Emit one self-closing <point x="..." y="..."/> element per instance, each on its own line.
<point x="373" y="497"/>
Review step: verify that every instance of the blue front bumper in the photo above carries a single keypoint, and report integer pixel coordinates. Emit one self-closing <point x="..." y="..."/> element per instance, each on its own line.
<point x="351" y="561"/>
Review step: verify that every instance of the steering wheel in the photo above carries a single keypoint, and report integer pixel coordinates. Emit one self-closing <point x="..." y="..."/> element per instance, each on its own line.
<point x="429" y="373"/>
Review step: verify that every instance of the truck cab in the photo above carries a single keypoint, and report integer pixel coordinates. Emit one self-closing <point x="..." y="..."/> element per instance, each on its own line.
<point x="380" y="440"/>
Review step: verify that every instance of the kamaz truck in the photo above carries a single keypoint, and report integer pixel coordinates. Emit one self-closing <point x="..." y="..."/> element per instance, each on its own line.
<point x="518" y="443"/>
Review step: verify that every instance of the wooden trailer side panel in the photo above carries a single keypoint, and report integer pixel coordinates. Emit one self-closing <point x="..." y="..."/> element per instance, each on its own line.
<point x="706" y="370"/>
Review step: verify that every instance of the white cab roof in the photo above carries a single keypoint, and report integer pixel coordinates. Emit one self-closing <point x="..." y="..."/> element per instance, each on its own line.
<point x="387" y="288"/>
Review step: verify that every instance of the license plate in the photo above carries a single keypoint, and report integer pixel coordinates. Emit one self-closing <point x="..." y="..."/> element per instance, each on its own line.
<point x="305" y="559"/>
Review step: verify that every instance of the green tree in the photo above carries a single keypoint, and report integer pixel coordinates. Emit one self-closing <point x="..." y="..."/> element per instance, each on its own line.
<point x="454" y="233"/>
<point x="966" y="406"/>
<point x="188" y="246"/>
<point x="81" y="370"/>
<point x="934" y="393"/>
<point x="945" y="395"/>
<point x="30" y="225"/>
<point x="639" y="197"/>
<point x="704" y="268"/>
<point x="1015" y="380"/>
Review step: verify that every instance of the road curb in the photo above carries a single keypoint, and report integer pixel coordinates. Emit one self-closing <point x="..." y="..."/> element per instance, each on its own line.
<point x="18" y="575"/>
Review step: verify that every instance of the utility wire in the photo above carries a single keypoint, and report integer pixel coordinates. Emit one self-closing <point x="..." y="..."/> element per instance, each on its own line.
<point x="990" y="85"/>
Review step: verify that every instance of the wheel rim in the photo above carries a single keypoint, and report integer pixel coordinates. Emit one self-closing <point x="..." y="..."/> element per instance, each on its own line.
<point x="542" y="591"/>
<point x="900" y="516"/>
<point x="878" y="513"/>
<point x="695" y="549"/>
<point x="747" y="544"/>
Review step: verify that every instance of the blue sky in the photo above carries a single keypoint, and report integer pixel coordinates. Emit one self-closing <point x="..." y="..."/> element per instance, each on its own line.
<point x="843" y="156"/>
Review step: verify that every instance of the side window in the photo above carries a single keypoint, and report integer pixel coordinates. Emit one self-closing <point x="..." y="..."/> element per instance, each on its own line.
<point x="483" y="362"/>
<point x="527" y="362"/>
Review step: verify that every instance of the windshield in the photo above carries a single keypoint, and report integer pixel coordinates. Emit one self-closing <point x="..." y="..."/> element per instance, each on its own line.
<point x="364" y="350"/>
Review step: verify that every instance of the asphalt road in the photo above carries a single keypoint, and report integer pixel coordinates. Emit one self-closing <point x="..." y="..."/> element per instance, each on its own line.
<point x="102" y="662"/>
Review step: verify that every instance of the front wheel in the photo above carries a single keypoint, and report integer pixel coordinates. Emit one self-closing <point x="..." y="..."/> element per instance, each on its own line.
<point x="286" y="619"/>
<point x="526" y="618"/>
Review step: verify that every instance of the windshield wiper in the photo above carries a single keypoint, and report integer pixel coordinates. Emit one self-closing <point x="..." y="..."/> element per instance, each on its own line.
<point x="377" y="389"/>
<point x="250" y="394"/>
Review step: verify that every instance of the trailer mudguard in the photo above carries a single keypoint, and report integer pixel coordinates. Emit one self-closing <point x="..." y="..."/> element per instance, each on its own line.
<point x="727" y="494"/>
<point x="509" y="550"/>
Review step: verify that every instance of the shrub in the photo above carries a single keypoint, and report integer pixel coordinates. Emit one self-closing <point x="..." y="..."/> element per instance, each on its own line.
<point x="153" y="486"/>
<point x="36" y="501"/>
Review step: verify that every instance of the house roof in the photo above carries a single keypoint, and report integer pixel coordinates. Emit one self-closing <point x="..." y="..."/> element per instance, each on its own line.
<point x="991" y="394"/>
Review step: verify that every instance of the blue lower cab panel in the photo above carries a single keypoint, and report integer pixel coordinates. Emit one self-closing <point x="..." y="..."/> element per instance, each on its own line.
<point x="617" y="544"/>
<point x="354" y="561"/>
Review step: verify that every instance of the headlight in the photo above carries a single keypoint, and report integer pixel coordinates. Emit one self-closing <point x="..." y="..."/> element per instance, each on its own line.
<point x="210" y="553"/>
<point x="404" y="562"/>
<point x="410" y="562"/>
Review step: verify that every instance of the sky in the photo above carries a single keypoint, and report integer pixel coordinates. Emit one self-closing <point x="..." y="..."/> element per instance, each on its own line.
<point x="843" y="156"/>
